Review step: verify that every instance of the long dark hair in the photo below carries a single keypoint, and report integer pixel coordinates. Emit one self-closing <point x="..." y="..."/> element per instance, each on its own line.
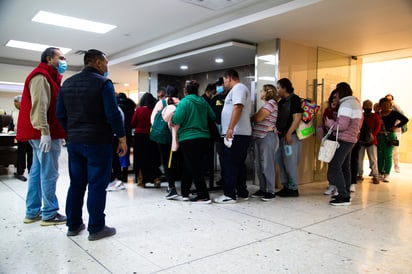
<point x="344" y="90"/>
<point x="147" y="100"/>
<point x="330" y="100"/>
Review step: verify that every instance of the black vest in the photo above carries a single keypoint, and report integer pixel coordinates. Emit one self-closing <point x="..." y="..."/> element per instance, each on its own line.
<point x="86" y="120"/>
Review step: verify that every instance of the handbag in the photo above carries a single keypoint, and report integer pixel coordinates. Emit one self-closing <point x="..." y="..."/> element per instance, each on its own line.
<point x="328" y="147"/>
<point x="393" y="143"/>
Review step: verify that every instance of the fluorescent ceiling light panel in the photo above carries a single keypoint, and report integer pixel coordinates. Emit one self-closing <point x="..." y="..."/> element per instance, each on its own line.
<point x="33" y="46"/>
<point x="71" y="22"/>
<point x="11" y="86"/>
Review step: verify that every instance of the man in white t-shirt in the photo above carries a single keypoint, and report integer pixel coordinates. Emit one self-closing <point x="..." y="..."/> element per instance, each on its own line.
<point x="237" y="130"/>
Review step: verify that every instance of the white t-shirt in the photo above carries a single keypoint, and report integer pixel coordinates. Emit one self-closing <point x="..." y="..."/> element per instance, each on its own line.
<point x="239" y="94"/>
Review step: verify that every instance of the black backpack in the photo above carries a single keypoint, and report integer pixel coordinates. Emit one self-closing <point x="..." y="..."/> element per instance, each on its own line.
<point x="365" y="137"/>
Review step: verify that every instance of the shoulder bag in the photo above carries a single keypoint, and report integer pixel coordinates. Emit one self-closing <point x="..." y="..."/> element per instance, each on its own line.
<point x="328" y="147"/>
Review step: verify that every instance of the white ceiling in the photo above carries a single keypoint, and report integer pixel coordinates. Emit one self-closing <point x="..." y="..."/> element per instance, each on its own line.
<point x="152" y="31"/>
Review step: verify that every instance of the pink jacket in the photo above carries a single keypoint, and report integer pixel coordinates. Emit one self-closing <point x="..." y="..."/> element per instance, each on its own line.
<point x="349" y="120"/>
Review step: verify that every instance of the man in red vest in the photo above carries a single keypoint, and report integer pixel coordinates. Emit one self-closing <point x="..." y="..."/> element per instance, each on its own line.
<point x="39" y="125"/>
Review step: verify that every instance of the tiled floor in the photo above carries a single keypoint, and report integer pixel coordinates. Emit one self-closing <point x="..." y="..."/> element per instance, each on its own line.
<point x="295" y="235"/>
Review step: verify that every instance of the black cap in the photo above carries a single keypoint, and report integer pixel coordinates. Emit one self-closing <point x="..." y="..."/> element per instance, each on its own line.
<point x="210" y="87"/>
<point x="219" y="81"/>
<point x="171" y="91"/>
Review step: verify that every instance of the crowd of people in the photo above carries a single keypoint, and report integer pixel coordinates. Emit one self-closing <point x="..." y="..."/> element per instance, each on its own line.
<point x="173" y="138"/>
<point x="374" y="132"/>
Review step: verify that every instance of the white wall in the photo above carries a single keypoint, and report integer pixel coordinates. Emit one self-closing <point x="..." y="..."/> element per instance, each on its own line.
<point x="394" y="77"/>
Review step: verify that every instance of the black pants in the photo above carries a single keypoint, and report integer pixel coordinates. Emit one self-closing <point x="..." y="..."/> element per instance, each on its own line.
<point x="235" y="167"/>
<point x="194" y="152"/>
<point x="174" y="172"/>
<point x="144" y="157"/>
<point x="24" y="149"/>
<point x="219" y="150"/>
<point x="354" y="163"/>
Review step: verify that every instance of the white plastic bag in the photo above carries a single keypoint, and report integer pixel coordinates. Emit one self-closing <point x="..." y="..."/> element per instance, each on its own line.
<point x="305" y="130"/>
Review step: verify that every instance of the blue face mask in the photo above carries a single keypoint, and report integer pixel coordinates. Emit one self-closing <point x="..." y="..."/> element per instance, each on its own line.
<point x="219" y="89"/>
<point x="62" y="66"/>
<point x="106" y="74"/>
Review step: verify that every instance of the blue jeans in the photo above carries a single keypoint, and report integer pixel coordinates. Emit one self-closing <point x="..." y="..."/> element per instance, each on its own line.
<point x="289" y="163"/>
<point x="339" y="168"/>
<point x="43" y="176"/>
<point x="88" y="165"/>
<point x="235" y="168"/>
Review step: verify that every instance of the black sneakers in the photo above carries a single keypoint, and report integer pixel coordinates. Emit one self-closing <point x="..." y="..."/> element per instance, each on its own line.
<point x="76" y="231"/>
<point x="105" y="232"/>
<point x="340" y="201"/>
<point x="20" y="177"/>
<point x="287" y="192"/>
<point x="199" y="200"/>
<point x="172" y="194"/>
<point x="268" y="197"/>
<point x="56" y="220"/>
<point x="258" y="194"/>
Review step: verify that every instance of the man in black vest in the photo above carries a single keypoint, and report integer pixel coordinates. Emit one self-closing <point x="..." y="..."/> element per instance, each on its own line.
<point x="87" y="110"/>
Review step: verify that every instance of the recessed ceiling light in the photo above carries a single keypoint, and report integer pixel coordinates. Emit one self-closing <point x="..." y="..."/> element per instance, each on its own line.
<point x="33" y="46"/>
<point x="71" y="22"/>
<point x="219" y="60"/>
<point x="126" y="84"/>
<point x="184" y="67"/>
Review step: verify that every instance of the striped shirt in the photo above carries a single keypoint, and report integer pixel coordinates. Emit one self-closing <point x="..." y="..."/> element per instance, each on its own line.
<point x="261" y="128"/>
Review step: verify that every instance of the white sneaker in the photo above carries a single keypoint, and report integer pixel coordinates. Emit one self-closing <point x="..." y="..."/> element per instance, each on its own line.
<point x="352" y="188"/>
<point x="330" y="190"/>
<point x="116" y="185"/>
<point x="112" y="183"/>
<point x="224" y="200"/>
<point x="386" y="178"/>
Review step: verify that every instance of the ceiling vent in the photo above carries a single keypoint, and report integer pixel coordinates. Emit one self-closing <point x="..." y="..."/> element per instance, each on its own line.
<point x="214" y="4"/>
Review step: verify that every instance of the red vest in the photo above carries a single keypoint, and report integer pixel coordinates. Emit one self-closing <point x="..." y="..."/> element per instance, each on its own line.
<point x="25" y="130"/>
